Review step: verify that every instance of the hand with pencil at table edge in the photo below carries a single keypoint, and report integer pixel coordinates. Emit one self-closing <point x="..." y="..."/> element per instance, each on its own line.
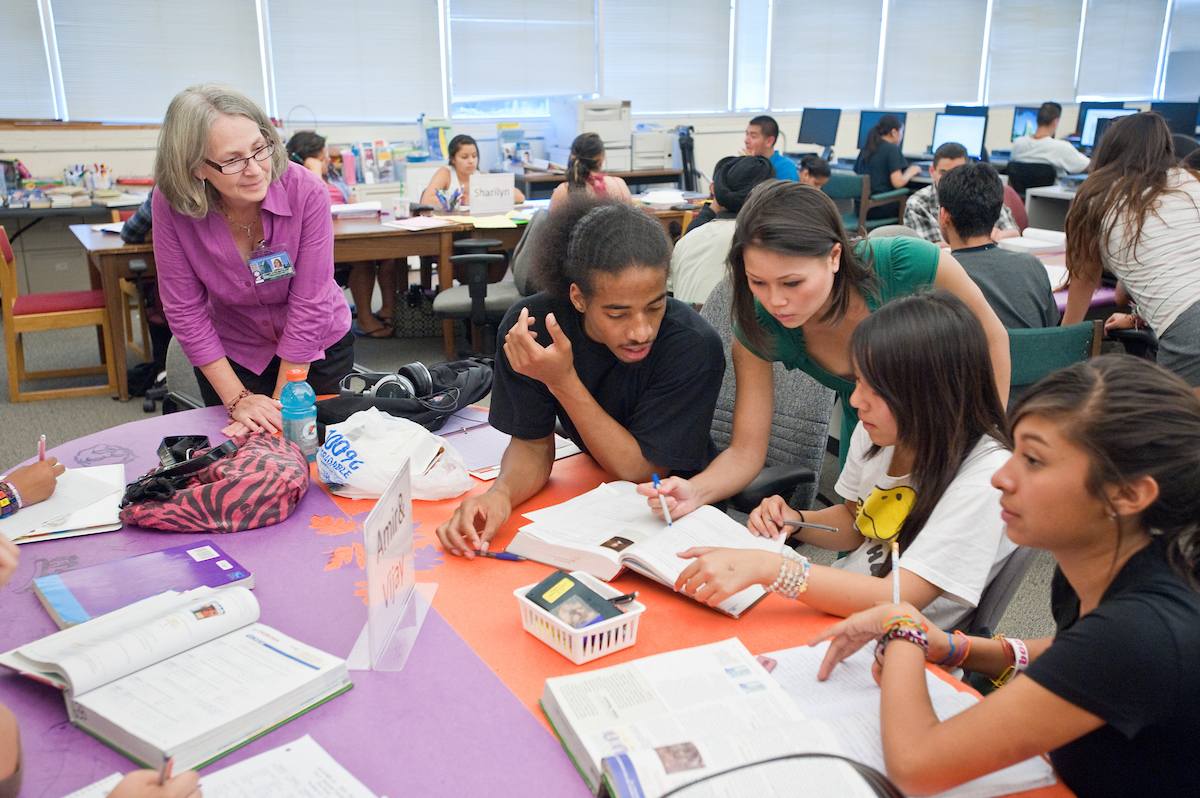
<point x="144" y="784"/>
<point x="35" y="482"/>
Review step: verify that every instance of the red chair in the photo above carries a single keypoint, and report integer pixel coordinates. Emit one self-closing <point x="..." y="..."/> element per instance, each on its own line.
<point x="37" y="312"/>
<point x="1013" y="200"/>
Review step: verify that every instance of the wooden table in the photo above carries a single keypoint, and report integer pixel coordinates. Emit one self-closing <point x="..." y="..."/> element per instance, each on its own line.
<point x="536" y="184"/>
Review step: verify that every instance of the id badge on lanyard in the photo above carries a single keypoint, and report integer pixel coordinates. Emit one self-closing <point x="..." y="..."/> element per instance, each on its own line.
<point x="267" y="265"/>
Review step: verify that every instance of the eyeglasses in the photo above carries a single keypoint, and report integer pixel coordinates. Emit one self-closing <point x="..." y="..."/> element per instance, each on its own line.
<point x="240" y="164"/>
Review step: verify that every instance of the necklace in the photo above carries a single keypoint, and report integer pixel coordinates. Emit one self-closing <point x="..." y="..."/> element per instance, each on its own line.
<point x="247" y="227"/>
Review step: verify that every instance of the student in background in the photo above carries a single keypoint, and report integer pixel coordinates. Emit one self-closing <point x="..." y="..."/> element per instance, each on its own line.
<point x="1015" y="284"/>
<point x="631" y="374"/>
<point x="1137" y="215"/>
<point x="308" y="149"/>
<point x="921" y="211"/>
<point x="29" y="485"/>
<point x="245" y="204"/>
<point x="698" y="260"/>
<point x="882" y="160"/>
<point x="761" y="134"/>
<point x="454" y="181"/>
<point x="585" y="173"/>
<point x="1042" y="147"/>
<point x="36" y="480"/>
<point x="928" y="441"/>
<point x="800" y="287"/>
<point x="1103" y="476"/>
<point x="814" y="170"/>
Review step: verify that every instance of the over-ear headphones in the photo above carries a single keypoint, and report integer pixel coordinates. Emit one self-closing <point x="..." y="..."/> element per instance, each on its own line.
<point x="412" y="381"/>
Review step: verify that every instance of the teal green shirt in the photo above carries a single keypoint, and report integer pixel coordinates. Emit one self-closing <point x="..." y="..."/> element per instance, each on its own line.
<point x="904" y="266"/>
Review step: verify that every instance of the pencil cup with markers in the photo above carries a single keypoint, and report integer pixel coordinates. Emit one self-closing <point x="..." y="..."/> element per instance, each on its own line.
<point x="585" y="644"/>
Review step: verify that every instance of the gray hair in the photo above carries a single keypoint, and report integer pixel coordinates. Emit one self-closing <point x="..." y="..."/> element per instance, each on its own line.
<point x="183" y="143"/>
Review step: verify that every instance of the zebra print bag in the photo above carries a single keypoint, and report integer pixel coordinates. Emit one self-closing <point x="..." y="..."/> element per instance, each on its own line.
<point x="257" y="485"/>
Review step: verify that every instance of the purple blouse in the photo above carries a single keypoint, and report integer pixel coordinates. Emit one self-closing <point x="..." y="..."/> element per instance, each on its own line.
<point x="214" y="306"/>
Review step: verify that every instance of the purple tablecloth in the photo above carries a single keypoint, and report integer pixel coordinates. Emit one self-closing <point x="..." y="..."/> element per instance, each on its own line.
<point x="445" y="725"/>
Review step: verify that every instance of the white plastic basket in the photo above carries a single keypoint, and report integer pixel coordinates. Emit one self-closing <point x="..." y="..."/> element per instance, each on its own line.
<point x="591" y="642"/>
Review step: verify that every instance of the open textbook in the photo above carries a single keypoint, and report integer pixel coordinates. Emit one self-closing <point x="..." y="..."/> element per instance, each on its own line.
<point x="612" y="527"/>
<point x="649" y="726"/>
<point x="186" y="675"/>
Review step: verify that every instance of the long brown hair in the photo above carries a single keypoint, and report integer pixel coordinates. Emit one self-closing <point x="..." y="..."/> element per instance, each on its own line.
<point x="792" y="219"/>
<point x="926" y="355"/>
<point x="1128" y="174"/>
<point x="1133" y="419"/>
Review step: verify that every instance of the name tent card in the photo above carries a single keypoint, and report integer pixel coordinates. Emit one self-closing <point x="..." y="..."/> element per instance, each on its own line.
<point x="391" y="605"/>
<point x="491" y="194"/>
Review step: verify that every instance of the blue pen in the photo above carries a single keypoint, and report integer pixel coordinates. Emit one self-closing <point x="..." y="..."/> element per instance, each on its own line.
<point x="500" y="555"/>
<point x="662" y="499"/>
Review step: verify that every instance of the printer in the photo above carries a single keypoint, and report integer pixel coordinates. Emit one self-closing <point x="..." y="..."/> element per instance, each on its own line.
<point x="605" y="117"/>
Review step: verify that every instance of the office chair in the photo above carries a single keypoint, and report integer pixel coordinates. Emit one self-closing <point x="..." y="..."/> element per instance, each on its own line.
<point x="799" y="427"/>
<point x="1184" y="145"/>
<point x="1013" y="201"/>
<point x="39" y="312"/>
<point x="1038" y="351"/>
<point x="183" y="389"/>
<point x="1023" y="176"/>
<point x="998" y="594"/>
<point x="845" y="185"/>
<point x="893" y="231"/>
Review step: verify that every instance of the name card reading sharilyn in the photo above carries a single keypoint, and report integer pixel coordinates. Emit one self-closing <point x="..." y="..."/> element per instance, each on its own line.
<point x="388" y="542"/>
<point x="491" y="194"/>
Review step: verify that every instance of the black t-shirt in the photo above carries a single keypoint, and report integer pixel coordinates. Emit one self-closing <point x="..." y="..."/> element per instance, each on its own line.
<point x="880" y="165"/>
<point x="665" y="401"/>
<point x="1135" y="662"/>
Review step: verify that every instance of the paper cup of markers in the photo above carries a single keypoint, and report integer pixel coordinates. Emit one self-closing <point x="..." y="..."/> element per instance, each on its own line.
<point x="576" y="616"/>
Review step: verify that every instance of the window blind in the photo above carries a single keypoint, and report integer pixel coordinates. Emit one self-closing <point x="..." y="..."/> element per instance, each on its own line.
<point x="1182" y="81"/>
<point x="667" y="56"/>
<point x="164" y="47"/>
<point x="824" y="55"/>
<point x="752" y="53"/>
<point x="933" y="54"/>
<point x="1119" y="57"/>
<point x="25" y="92"/>
<point x="521" y="48"/>
<point x="1031" y="59"/>
<point x="394" y="73"/>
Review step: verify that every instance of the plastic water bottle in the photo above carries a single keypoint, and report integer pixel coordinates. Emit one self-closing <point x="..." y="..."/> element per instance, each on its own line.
<point x="300" y="413"/>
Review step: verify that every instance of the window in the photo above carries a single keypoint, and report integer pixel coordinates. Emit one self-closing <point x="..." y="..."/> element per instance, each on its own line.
<point x="667" y="56"/>
<point x="752" y="49"/>
<point x="1031" y="58"/>
<point x="521" y="48"/>
<point x="1121" y="43"/>
<point x="934" y="52"/>
<point x="1182" y="81"/>
<point x="25" y="92"/>
<point x="151" y="50"/>
<point x="395" y="75"/>
<point x="824" y="55"/>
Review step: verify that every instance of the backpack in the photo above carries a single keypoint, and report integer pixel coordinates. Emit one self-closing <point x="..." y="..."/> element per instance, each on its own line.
<point x="455" y="385"/>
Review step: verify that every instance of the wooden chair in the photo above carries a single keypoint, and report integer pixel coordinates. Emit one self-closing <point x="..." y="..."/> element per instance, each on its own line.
<point x="36" y="312"/>
<point x="133" y="301"/>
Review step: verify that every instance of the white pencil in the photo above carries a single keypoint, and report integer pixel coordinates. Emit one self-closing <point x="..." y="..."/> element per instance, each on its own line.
<point x="895" y="571"/>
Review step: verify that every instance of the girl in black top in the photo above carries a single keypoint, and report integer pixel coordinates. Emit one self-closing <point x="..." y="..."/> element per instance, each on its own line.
<point x="882" y="160"/>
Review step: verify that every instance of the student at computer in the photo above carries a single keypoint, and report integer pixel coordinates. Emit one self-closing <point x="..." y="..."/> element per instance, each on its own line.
<point x="761" y="135"/>
<point x="1015" y="284"/>
<point x="800" y="288"/>
<point x="928" y="441"/>
<point x="1137" y="216"/>
<point x="698" y="259"/>
<point x="585" y="172"/>
<point x="631" y="373"/>
<point x="1042" y="147"/>
<point x="921" y="211"/>
<point x="308" y="149"/>
<point x="814" y="170"/>
<point x="882" y="160"/>
<point x="454" y="180"/>
<point x="1103" y="476"/>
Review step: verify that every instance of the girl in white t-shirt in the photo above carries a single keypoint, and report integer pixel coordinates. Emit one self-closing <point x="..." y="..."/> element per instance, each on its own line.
<point x="919" y="471"/>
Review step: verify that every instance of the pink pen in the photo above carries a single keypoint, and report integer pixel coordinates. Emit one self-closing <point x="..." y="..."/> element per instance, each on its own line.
<point x="42" y="448"/>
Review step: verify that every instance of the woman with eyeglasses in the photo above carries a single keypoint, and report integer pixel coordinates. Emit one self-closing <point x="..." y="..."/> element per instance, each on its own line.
<point x="243" y="243"/>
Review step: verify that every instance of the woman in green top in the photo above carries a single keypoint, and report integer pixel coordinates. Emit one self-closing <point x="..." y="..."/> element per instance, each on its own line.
<point x="799" y="290"/>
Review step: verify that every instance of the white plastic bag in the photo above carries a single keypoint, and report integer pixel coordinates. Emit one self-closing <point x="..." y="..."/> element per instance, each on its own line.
<point x="362" y="454"/>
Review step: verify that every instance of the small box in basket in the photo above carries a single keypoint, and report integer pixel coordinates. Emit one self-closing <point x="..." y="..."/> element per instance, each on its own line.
<point x="591" y="642"/>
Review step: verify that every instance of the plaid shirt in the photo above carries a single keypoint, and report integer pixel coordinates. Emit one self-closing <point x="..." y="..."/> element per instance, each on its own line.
<point x="921" y="214"/>
<point x="136" y="226"/>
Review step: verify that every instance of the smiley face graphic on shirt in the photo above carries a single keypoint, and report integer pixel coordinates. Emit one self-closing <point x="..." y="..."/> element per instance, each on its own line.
<point x="880" y="516"/>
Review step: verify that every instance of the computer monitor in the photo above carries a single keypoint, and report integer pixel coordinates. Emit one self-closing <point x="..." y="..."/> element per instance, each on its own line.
<point x="819" y="126"/>
<point x="1093" y="115"/>
<point x="967" y="110"/>
<point x="1101" y="126"/>
<point x="966" y="130"/>
<point x="1181" y="117"/>
<point x="868" y="120"/>
<point x="1024" y="121"/>
<point x="1085" y="107"/>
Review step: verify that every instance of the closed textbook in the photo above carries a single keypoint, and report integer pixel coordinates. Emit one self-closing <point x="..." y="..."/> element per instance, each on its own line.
<point x="188" y="676"/>
<point x="75" y="596"/>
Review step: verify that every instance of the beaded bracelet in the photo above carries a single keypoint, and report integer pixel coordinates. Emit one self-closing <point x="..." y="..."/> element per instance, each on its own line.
<point x="903" y="627"/>
<point x="10" y="499"/>
<point x="234" y="403"/>
<point x="793" y="575"/>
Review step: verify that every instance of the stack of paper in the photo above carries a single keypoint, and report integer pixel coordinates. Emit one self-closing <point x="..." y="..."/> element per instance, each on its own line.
<point x="85" y="501"/>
